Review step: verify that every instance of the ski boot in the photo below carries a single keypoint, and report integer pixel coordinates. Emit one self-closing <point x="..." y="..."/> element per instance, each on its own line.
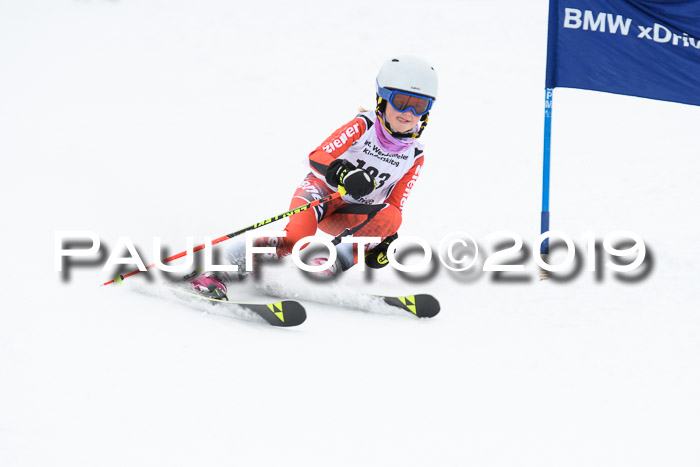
<point x="211" y="284"/>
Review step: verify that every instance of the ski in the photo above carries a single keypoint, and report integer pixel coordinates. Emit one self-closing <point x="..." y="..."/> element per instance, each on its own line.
<point x="285" y="313"/>
<point x="421" y="305"/>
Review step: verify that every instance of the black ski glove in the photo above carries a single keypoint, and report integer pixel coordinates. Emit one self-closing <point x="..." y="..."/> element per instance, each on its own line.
<point x="376" y="257"/>
<point x="356" y="182"/>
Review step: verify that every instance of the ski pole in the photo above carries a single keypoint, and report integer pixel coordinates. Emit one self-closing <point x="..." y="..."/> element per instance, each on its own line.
<point x="289" y="213"/>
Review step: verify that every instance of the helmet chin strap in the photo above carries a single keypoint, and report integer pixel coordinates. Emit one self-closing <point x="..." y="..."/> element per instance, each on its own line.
<point x="381" y="108"/>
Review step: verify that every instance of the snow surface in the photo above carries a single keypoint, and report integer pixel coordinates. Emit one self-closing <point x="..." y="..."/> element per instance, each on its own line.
<point x="181" y="118"/>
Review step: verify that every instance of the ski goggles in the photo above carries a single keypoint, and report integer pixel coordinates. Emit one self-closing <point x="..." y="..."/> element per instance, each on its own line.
<point x="404" y="101"/>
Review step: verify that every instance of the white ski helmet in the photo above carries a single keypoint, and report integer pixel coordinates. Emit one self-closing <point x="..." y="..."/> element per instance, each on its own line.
<point x="407" y="73"/>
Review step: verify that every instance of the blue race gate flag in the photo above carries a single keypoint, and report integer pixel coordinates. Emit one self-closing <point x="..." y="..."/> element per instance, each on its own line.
<point x="644" y="48"/>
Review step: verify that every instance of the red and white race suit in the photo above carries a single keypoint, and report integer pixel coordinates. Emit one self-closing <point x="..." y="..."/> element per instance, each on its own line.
<point x="395" y="164"/>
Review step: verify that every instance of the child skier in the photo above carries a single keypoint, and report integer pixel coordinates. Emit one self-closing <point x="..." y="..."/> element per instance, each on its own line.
<point x="374" y="161"/>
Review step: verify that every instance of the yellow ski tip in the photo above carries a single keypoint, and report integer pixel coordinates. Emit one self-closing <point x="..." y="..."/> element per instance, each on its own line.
<point x="410" y="303"/>
<point x="278" y="306"/>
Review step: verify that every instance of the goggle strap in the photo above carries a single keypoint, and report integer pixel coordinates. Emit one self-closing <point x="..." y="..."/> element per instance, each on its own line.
<point x="384" y="125"/>
<point x="424" y="120"/>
